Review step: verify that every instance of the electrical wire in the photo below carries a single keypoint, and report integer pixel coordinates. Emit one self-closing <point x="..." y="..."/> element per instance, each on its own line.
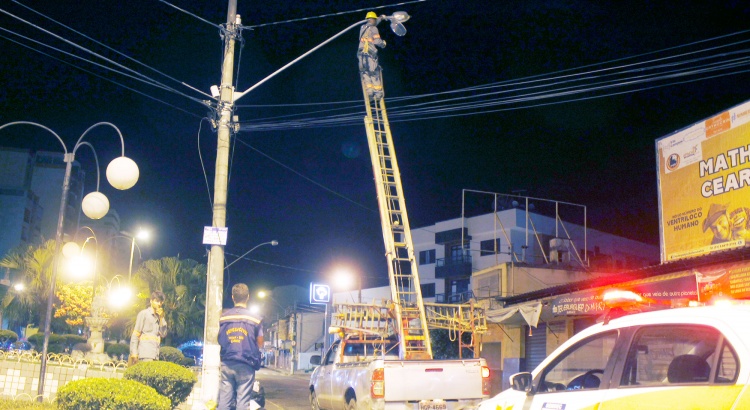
<point x="135" y="75"/>
<point x="191" y="14"/>
<point x="304" y="177"/>
<point x="203" y="167"/>
<point x="434" y="107"/>
<point x="341" y="13"/>
<point x="108" y="47"/>
<point x="101" y="77"/>
<point x="274" y="264"/>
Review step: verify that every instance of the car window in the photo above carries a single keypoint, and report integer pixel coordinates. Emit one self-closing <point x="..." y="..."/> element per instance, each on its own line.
<point x="675" y="354"/>
<point x="580" y="367"/>
<point x="332" y="353"/>
<point x="728" y="365"/>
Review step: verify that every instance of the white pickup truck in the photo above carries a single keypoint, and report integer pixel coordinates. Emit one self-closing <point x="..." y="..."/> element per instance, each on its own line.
<point x="348" y="377"/>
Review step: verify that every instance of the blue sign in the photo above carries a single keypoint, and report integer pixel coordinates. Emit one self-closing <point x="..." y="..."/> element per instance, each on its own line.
<point x="320" y="294"/>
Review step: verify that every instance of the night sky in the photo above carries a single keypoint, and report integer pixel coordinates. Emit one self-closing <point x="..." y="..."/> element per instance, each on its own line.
<point x="311" y="188"/>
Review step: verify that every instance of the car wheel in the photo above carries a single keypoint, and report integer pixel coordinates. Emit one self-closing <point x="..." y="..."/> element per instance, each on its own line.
<point x="314" y="401"/>
<point x="351" y="404"/>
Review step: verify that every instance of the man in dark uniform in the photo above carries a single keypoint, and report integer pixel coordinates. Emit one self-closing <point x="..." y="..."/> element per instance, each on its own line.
<point x="367" y="55"/>
<point x="240" y="338"/>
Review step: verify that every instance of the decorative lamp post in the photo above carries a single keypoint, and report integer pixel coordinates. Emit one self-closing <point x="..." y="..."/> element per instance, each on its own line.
<point x="122" y="174"/>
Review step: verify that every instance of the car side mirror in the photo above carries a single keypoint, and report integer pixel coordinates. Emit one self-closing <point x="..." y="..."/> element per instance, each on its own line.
<point x="521" y="381"/>
<point x="315" y="360"/>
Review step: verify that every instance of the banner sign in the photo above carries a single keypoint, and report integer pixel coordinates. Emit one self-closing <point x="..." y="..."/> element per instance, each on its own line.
<point x="704" y="186"/>
<point x="730" y="281"/>
<point x="590" y="302"/>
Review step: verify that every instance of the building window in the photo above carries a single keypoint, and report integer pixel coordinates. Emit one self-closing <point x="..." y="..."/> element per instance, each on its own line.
<point x="428" y="290"/>
<point x="490" y="247"/>
<point x="427" y="257"/>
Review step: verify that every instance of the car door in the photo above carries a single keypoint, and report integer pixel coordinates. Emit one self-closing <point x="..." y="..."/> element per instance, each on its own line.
<point x="676" y="366"/>
<point x="324" y="389"/>
<point x="576" y="378"/>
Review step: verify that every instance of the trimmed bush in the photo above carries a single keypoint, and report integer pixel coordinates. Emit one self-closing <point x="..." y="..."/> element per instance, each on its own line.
<point x="171" y="354"/>
<point x="8" y="336"/>
<point x="115" y="394"/>
<point x="116" y="349"/>
<point x="169" y="379"/>
<point x="72" y="340"/>
<point x="187" y="362"/>
<point x="56" y="342"/>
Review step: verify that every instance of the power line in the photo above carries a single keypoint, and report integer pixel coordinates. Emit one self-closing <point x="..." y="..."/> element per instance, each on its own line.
<point x="341" y="13"/>
<point x="303" y="176"/>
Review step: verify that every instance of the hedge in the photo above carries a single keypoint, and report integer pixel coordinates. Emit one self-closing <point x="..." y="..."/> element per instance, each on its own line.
<point x="56" y="342"/>
<point x="116" y="349"/>
<point x="111" y="394"/>
<point x="8" y="336"/>
<point x="171" y="354"/>
<point x="10" y="404"/>
<point x="169" y="379"/>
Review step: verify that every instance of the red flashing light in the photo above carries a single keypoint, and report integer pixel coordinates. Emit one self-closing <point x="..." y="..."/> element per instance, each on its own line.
<point x="377" y="384"/>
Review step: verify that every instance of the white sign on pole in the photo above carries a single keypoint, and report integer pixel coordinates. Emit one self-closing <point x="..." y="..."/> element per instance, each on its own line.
<point x="213" y="235"/>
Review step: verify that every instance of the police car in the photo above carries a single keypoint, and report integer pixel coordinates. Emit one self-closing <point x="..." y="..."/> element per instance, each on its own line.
<point x="684" y="358"/>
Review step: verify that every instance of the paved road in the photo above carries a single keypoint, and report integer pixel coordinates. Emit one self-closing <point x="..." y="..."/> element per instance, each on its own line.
<point x="284" y="391"/>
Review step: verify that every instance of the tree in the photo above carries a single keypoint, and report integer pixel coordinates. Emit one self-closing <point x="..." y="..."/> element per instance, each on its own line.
<point x="183" y="283"/>
<point x="32" y="266"/>
<point x="75" y="302"/>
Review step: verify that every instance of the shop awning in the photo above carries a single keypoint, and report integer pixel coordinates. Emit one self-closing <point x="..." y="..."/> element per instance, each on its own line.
<point x="527" y="313"/>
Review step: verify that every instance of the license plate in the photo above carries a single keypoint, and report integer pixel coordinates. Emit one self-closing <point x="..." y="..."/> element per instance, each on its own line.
<point x="433" y="405"/>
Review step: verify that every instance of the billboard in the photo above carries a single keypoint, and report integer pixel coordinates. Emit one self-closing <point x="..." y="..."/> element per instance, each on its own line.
<point x="704" y="186"/>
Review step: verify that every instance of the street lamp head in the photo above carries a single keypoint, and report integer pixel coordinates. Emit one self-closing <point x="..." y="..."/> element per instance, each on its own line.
<point x="95" y="205"/>
<point x="122" y="173"/>
<point x="19" y="287"/>
<point x="262" y="294"/>
<point x="274" y="243"/>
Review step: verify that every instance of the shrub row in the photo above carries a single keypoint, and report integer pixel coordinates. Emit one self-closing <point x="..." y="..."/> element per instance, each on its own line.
<point x="146" y="385"/>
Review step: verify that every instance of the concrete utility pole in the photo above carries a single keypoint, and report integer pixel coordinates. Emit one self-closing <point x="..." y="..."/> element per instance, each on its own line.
<point x="214" y="293"/>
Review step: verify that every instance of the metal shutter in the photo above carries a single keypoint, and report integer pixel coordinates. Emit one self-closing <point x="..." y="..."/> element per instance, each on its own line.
<point x="536" y="346"/>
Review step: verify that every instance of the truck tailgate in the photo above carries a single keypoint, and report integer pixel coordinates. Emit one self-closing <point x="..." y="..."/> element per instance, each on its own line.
<point x="435" y="379"/>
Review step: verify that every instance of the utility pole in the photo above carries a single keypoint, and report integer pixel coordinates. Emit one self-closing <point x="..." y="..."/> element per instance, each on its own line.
<point x="211" y="375"/>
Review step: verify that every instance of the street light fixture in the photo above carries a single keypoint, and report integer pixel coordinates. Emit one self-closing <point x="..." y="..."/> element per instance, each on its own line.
<point x="122" y="173"/>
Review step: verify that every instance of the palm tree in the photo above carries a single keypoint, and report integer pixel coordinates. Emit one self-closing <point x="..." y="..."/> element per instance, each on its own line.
<point x="184" y="285"/>
<point x="33" y="267"/>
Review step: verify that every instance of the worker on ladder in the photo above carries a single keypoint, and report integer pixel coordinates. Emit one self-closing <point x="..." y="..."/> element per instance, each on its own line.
<point x="367" y="55"/>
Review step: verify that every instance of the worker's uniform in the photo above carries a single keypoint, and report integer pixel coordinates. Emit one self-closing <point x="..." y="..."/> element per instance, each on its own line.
<point x="240" y="357"/>
<point x="147" y="334"/>
<point x="367" y="55"/>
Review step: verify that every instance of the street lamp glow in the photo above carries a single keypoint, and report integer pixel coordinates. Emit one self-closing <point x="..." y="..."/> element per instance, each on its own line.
<point x="262" y="294"/>
<point x="143" y="234"/>
<point x="254" y="309"/>
<point x="120" y="296"/>
<point x="80" y="266"/>
<point x="19" y="287"/>
<point x="71" y="250"/>
<point x="343" y="278"/>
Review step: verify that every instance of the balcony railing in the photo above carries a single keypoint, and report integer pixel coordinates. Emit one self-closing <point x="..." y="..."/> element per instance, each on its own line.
<point x="454" y="298"/>
<point x="455" y="266"/>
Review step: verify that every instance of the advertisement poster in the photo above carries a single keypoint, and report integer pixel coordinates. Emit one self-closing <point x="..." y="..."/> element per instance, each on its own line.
<point x="704" y="186"/>
<point x="728" y="281"/>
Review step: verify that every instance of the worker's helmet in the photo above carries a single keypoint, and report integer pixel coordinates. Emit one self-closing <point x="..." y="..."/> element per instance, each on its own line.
<point x="371" y="15"/>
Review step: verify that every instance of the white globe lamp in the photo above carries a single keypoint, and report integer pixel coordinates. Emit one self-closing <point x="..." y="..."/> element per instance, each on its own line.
<point x="122" y="173"/>
<point x="95" y="205"/>
<point x="71" y="250"/>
